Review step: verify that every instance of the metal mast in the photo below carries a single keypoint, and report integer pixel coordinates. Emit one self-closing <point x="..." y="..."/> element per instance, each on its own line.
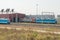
<point x="37" y="9"/>
<point x="16" y="19"/>
<point x="12" y="14"/>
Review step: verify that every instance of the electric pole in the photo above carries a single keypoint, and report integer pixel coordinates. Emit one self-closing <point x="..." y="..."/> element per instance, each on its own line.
<point x="37" y="9"/>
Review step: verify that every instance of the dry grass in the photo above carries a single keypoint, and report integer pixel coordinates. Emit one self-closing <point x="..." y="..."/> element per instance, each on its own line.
<point x="13" y="34"/>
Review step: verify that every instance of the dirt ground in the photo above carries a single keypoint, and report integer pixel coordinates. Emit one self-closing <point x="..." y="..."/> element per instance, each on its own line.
<point x="33" y="26"/>
<point x="52" y="31"/>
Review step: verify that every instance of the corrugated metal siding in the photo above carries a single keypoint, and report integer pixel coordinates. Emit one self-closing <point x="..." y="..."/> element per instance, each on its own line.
<point x="21" y="15"/>
<point x="4" y="15"/>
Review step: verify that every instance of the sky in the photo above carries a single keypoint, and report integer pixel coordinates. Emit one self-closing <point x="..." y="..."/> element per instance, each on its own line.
<point x="29" y="7"/>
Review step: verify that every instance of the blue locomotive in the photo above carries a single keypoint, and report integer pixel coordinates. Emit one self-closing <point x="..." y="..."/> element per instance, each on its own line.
<point x="49" y="21"/>
<point x="4" y="21"/>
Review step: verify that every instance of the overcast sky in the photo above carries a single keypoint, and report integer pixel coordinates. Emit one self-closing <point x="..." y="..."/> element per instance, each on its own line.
<point x="29" y="6"/>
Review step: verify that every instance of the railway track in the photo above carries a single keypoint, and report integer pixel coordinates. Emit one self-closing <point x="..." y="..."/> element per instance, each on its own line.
<point x="33" y="26"/>
<point x="36" y="25"/>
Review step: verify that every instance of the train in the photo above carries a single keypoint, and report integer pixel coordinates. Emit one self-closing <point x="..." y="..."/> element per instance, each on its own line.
<point x="46" y="21"/>
<point x="39" y="20"/>
<point x="4" y="21"/>
<point x="32" y="20"/>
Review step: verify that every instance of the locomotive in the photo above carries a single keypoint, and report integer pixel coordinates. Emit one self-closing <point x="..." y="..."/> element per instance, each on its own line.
<point x="46" y="21"/>
<point x="4" y="21"/>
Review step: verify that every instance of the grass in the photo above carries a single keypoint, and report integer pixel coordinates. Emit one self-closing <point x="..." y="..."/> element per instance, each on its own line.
<point x="13" y="34"/>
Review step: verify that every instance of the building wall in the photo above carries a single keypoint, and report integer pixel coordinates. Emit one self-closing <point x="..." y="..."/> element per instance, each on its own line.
<point x="13" y="17"/>
<point x="4" y="15"/>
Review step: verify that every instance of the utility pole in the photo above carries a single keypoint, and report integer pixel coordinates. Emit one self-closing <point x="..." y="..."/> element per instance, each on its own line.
<point x="12" y="14"/>
<point x="16" y="17"/>
<point x="37" y="9"/>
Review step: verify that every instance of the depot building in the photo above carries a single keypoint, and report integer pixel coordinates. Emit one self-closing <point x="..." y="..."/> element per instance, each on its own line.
<point x="14" y="17"/>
